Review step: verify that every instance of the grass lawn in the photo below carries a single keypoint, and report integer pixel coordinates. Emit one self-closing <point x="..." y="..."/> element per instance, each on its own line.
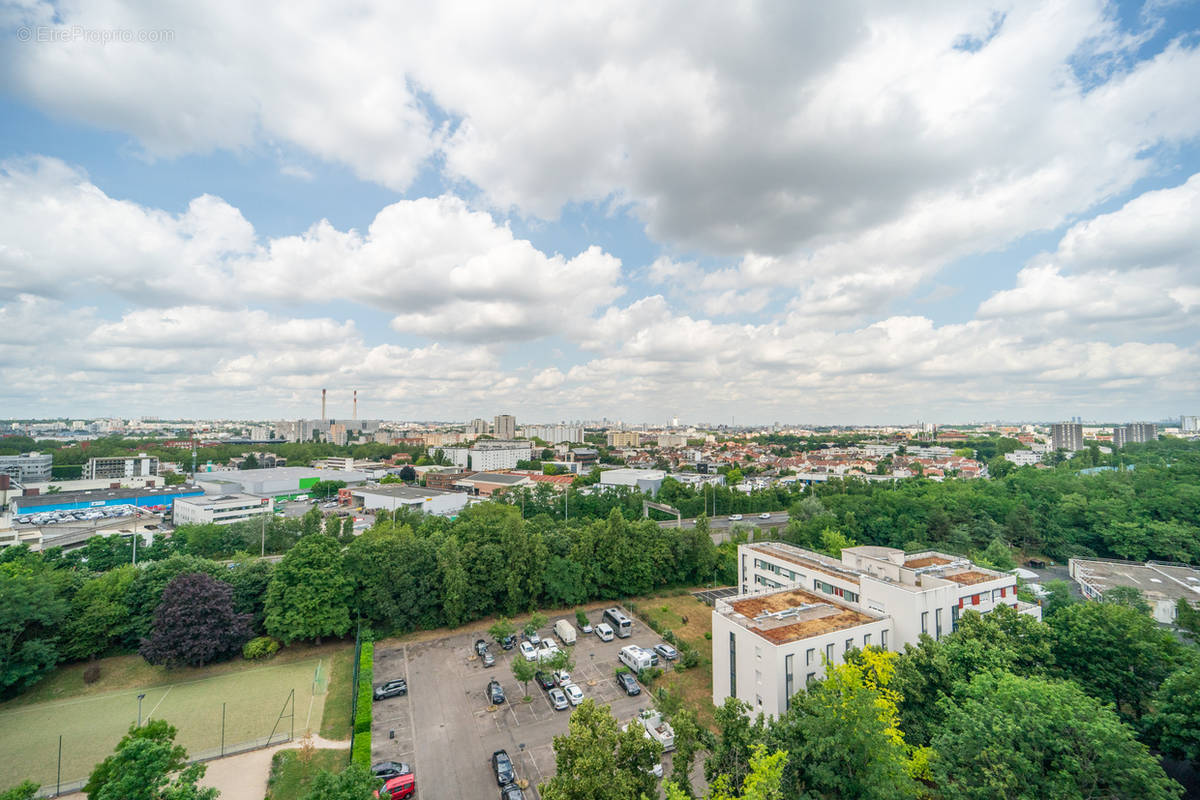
<point x="335" y="722"/>
<point x="92" y="719"/>
<point x="693" y="685"/>
<point x="290" y="776"/>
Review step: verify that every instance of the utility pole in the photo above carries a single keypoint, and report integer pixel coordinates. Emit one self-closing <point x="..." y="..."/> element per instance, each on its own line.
<point x="263" y="551"/>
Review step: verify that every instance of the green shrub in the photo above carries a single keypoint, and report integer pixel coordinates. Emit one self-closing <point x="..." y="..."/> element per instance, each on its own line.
<point x="362" y="718"/>
<point x="360" y="753"/>
<point x="581" y="618"/>
<point x="665" y="609"/>
<point x="648" y="676"/>
<point x="620" y="669"/>
<point x="669" y="637"/>
<point x="260" y="647"/>
<point x="689" y="658"/>
<point x="708" y="635"/>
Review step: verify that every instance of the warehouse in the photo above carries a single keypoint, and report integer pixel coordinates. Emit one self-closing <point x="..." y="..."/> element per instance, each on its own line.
<point x="281" y="483"/>
<point x="224" y="509"/>
<point x="159" y="498"/>
<point x="430" y="501"/>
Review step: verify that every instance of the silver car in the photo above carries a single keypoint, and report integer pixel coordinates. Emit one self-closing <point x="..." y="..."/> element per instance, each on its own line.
<point x="558" y="700"/>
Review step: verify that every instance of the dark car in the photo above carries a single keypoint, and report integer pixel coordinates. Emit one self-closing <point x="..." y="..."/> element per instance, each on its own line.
<point x="543" y="680"/>
<point x="511" y="792"/>
<point x="397" y="788"/>
<point x="503" y="767"/>
<point x="396" y="688"/>
<point x="495" y="692"/>
<point x="626" y="682"/>
<point x="509" y="642"/>
<point x="480" y="647"/>
<point x="390" y="769"/>
<point x="666" y="651"/>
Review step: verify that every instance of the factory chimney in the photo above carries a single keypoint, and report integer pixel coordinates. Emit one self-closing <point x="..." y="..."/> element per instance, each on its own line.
<point x="322" y="405"/>
<point x="356" y="404"/>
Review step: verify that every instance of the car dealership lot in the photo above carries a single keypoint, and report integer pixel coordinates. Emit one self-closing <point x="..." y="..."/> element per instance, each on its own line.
<point x="446" y="728"/>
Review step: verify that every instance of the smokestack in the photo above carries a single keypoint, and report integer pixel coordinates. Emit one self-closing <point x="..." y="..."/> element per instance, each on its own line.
<point x="356" y="404"/>
<point x="322" y="404"/>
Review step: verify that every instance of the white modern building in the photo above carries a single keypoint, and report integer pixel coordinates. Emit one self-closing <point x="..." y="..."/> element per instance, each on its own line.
<point x="1162" y="584"/>
<point x="417" y="498"/>
<point x="223" y="509"/>
<point x="487" y="455"/>
<point x="554" y="434"/>
<point x="120" y="467"/>
<point x="646" y="480"/>
<point x="28" y="467"/>
<point x="1023" y="458"/>
<point x="798" y="610"/>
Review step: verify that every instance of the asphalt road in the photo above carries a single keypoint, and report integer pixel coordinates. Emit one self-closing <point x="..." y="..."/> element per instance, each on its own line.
<point x="778" y="519"/>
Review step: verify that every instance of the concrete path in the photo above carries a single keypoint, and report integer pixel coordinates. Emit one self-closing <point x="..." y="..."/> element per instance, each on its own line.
<point x="244" y="776"/>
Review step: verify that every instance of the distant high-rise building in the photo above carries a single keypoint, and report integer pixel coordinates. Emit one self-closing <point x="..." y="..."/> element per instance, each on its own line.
<point x="1134" y="432"/>
<point x="505" y="427"/>
<point x="478" y="427"/>
<point x="554" y="434"/>
<point x="337" y="434"/>
<point x="1189" y="424"/>
<point x="1067" y="436"/>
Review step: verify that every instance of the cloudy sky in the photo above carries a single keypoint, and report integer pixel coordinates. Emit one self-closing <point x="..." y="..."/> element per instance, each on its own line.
<point x="804" y="212"/>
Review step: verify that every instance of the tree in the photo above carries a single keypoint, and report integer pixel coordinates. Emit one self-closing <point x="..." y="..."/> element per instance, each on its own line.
<point x="763" y="781"/>
<point x="408" y="474"/>
<point x="355" y="782"/>
<point x="833" y="541"/>
<point x="1187" y="617"/>
<point x="1127" y="596"/>
<point x="687" y="743"/>
<point x="843" y="737"/>
<point x="31" y="611"/>
<point x="249" y="462"/>
<point x="731" y="754"/>
<point x="502" y="629"/>
<point x="1015" y="737"/>
<point x="324" y="489"/>
<point x="998" y="555"/>
<point x="524" y="671"/>
<point x="25" y="790"/>
<point x="309" y="594"/>
<point x="250" y="579"/>
<point x="1174" y="724"/>
<point x="195" y="623"/>
<point x="142" y="766"/>
<point x="1058" y="596"/>
<point x="536" y="621"/>
<point x="596" y="760"/>
<point x="1116" y="653"/>
<point x="455" y="585"/>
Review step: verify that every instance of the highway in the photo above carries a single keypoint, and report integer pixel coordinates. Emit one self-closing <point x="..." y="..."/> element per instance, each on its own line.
<point x="778" y="519"/>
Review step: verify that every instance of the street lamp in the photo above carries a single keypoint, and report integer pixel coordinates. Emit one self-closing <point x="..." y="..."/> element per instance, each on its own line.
<point x="140" y="698"/>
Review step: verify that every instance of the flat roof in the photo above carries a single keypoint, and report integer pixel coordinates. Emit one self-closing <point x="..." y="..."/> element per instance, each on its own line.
<point x="401" y="491"/>
<point x="498" y="478"/>
<point x="816" y="615"/>
<point x="1155" y="581"/>
<point x="787" y="552"/>
<point x="279" y="473"/>
<point x="215" y="499"/>
<point x="970" y="577"/>
<point x="926" y="561"/>
<point x="91" y="495"/>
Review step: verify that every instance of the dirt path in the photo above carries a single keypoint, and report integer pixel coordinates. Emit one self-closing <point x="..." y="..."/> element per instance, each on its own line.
<point x="244" y="776"/>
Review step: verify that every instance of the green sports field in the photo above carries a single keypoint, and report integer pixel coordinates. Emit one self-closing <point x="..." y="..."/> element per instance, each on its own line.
<point x="91" y="725"/>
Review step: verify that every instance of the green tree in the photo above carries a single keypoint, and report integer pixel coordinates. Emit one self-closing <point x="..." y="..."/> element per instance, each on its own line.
<point x="1187" y="617"/>
<point x="355" y="782"/>
<point x="100" y="615"/>
<point x="1015" y="737"/>
<point x="309" y="594"/>
<point x="833" y="541"/>
<point x="148" y="765"/>
<point x="997" y="554"/>
<point x="502" y="629"/>
<point x="524" y="671"/>
<point x="1058" y="597"/>
<point x="596" y="760"/>
<point x="1127" y="596"/>
<point x="764" y="781"/>
<point x="26" y="790"/>
<point x="1115" y="652"/>
<point x="730" y="756"/>
<point x="1174" y="724"/>
<point x="536" y="620"/>
<point x="31" y="611"/>
<point x="455" y="585"/>
<point x="687" y="744"/>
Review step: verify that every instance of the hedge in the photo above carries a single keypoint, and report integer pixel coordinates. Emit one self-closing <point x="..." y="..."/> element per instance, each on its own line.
<point x="360" y="751"/>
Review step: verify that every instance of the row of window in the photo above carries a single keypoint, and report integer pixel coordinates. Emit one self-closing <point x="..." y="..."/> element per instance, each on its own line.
<point x="761" y="581"/>
<point x="778" y="570"/>
<point x="837" y="591"/>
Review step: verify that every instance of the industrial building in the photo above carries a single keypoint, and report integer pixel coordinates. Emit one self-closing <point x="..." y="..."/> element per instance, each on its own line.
<point x="118" y="467"/>
<point x="485" y="484"/>
<point x="224" y="509"/>
<point x="27" y="467"/>
<point x="798" y="610"/>
<point x="394" y="496"/>
<point x="281" y="483"/>
<point x="645" y="480"/>
<point x="156" y="498"/>
<point x="1162" y="585"/>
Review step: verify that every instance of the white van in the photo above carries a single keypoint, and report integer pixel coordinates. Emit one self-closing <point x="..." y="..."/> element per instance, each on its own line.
<point x="635" y="658"/>
<point x="565" y="631"/>
<point x="605" y="632"/>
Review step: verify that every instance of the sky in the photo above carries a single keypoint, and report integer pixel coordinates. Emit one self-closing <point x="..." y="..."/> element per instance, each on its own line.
<point x="812" y="213"/>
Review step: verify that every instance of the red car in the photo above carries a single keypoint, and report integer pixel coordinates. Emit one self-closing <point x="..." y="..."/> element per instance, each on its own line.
<point x="398" y="787"/>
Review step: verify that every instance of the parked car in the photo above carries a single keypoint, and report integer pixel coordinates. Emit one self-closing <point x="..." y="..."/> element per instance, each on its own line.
<point x="666" y="651"/>
<point x="627" y="682"/>
<point x="573" y="693"/>
<point x="529" y="651"/>
<point x="544" y="680"/>
<point x="480" y="647"/>
<point x="533" y="638"/>
<point x="605" y="632"/>
<point x="508" y="642"/>
<point x="511" y="792"/>
<point x="587" y="627"/>
<point x="558" y="699"/>
<point x="399" y="787"/>
<point x="503" y="767"/>
<point x="653" y="656"/>
<point x="764" y="516"/>
<point x="386" y="770"/>
<point x="561" y="677"/>
<point x="495" y="692"/>
<point x="735" y="517"/>
<point x="488" y="659"/>
<point x="396" y="688"/>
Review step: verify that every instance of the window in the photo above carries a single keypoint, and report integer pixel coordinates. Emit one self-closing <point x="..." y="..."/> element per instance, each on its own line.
<point x="924" y="622"/>
<point x="829" y="652"/>
<point x="787" y="681"/>
<point x="809" y="656"/>
<point x="851" y="596"/>
<point x="883" y="639"/>
<point x="809" y="678"/>
<point x="974" y="599"/>
<point x="937" y="622"/>
<point x="954" y="616"/>
<point x="866" y="640"/>
<point x="732" y="665"/>
<point x="758" y="677"/>
<point x="849" y="646"/>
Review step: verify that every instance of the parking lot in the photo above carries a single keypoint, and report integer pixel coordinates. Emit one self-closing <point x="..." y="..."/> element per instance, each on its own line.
<point x="446" y="729"/>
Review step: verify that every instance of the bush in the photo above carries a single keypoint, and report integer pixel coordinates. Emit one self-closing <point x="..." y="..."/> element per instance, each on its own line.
<point x="669" y="637"/>
<point x="260" y="647"/>
<point x="708" y="635"/>
<point x="620" y="669"/>
<point x="581" y="618"/>
<point x="689" y="658"/>
<point x="360" y="750"/>
<point x="91" y="673"/>
<point x="648" y="676"/>
<point x="360" y="753"/>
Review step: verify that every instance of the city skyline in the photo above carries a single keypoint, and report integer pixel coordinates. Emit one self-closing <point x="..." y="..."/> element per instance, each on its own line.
<point x="842" y="215"/>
